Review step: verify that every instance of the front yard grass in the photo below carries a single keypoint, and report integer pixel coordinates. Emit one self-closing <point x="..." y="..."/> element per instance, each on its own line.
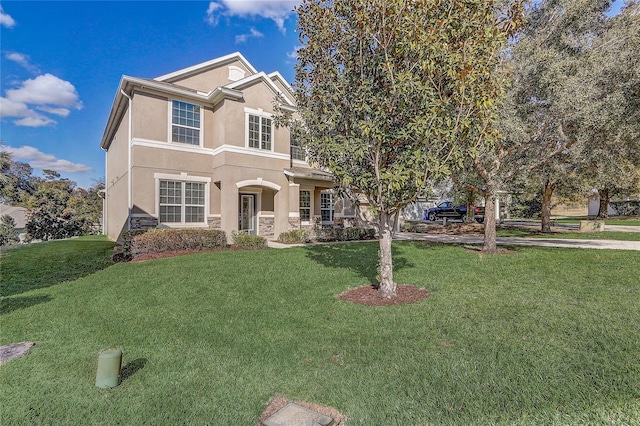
<point x="44" y="264"/>
<point x="539" y="336"/>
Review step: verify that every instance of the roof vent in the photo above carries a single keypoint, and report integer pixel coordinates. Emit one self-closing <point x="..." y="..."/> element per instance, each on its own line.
<point x="235" y="73"/>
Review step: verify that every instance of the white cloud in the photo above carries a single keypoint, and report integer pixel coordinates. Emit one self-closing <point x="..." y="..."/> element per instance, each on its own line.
<point x="293" y="55"/>
<point x="276" y="10"/>
<point x="6" y="20"/>
<point x="23" y="60"/>
<point x="253" y="33"/>
<point x="212" y="15"/>
<point x="9" y="108"/>
<point x="35" y="120"/>
<point x="46" y="93"/>
<point x="30" y="118"/>
<point x="62" y="112"/>
<point x="40" y="160"/>
<point x="46" y="89"/>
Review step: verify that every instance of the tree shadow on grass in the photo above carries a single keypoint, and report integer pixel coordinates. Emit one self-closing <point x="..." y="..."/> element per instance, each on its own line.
<point x="46" y="264"/>
<point x="10" y="304"/>
<point x="361" y="258"/>
<point x="132" y="368"/>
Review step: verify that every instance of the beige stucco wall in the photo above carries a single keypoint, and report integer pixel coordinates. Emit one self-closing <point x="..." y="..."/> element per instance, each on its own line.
<point x="150" y="117"/>
<point x="116" y="182"/>
<point x="259" y="96"/>
<point x="225" y="124"/>
<point x="148" y="161"/>
<point x="282" y="88"/>
<point x="210" y="79"/>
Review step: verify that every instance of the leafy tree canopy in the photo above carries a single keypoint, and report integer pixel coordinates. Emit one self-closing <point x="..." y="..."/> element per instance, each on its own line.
<point x="391" y="93"/>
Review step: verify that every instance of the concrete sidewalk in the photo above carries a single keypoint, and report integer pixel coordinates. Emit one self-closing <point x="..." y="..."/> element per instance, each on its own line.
<point x="515" y="241"/>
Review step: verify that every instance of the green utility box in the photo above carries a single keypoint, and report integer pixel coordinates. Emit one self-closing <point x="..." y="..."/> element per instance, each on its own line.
<point x="109" y="364"/>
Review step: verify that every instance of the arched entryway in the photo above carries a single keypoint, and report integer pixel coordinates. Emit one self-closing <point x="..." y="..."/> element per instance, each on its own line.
<point x="257" y="207"/>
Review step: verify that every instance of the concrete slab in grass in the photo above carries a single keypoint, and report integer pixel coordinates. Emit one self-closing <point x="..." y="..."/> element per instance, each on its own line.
<point x="293" y="414"/>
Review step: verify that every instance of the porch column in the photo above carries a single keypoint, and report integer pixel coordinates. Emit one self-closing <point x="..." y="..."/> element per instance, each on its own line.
<point x="229" y="207"/>
<point x="294" y="206"/>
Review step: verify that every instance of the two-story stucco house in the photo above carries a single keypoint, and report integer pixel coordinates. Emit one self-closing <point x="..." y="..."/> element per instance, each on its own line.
<point x="198" y="148"/>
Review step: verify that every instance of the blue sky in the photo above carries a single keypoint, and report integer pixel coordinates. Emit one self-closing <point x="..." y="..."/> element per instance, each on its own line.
<point x="61" y="63"/>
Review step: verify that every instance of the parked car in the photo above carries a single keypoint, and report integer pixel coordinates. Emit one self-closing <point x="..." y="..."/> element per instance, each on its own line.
<point x="447" y="209"/>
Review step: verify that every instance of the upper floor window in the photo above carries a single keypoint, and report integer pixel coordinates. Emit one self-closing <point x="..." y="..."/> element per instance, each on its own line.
<point x="260" y="132"/>
<point x="185" y="123"/>
<point x="297" y="153"/>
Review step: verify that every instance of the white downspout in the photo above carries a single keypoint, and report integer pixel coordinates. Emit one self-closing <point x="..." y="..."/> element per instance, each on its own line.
<point x="105" y="231"/>
<point x="129" y="197"/>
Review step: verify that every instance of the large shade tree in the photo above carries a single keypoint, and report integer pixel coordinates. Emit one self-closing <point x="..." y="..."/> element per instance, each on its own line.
<point x="610" y="82"/>
<point x="390" y="94"/>
<point x="556" y="41"/>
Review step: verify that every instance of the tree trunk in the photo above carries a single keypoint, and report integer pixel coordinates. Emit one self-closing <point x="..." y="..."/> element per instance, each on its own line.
<point x="490" y="245"/>
<point x="547" y="193"/>
<point x="386" y="286"/>
<point x="605" y="197"/>
<point x="470" y="212"/>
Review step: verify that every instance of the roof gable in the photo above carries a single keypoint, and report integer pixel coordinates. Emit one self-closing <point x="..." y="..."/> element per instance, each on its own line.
<point x="206" y="66"/>
<point x="264" y="78"/>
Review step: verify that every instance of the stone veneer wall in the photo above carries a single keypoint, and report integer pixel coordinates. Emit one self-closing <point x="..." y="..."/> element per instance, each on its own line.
<point x="294" y="223"/>
<point x="214" y="222"/>
<point x="266" y="226"/>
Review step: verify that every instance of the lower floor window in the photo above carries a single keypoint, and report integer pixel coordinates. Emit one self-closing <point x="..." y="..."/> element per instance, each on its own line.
<point x="326" y="207"/>
<point x="182" y="202"/>
<point x="305" y="206"/>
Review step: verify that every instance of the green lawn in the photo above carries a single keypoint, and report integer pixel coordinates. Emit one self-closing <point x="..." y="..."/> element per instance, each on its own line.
<point x="541" y="336"/>
<point x="42" y="265"/>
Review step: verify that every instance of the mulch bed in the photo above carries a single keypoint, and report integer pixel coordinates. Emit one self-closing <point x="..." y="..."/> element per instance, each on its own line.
<point x="368" y="296"/>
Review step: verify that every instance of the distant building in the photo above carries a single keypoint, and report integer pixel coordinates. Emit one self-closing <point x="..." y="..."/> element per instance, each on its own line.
<point x="19" y="215"/>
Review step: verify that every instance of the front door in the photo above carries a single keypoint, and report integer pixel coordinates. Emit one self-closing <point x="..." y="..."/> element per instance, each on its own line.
<point x="247" y="213"/>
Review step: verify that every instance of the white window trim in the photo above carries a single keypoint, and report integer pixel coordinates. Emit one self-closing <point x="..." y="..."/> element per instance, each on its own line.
<point x="182" y="177"/>
<point x="306" y="222"/>
<point x="170" y="120"/>
<point x="260" y="113"/>
<point x="332" y="209"/>
<point x="258" y="204"/>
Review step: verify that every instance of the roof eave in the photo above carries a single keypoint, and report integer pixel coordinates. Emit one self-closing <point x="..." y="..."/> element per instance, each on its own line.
<point x="127" y="85"/>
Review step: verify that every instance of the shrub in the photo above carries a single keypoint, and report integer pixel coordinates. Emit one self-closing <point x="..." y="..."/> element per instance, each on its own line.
<point x="122" y="253"/>
<point x="8" y="233"/>
<point x="248" y="241"/>
<point x="626" y="208"/>
<point x="162" y="240"/>
<point x="344" y="234"/>
<point x="294" y="236"/>
<point x="136" y="242"/>
<point x="325" y="234"/>
<point x="525" y="208"/>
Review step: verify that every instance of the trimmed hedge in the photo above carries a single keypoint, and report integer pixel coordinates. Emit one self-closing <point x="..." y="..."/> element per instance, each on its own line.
<point x="122" y="253"/>
<point x="137" y="242"/>
<point x="344" y="234"/>
<point x="294" y="236"/>
<point x="248" y="241"/>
